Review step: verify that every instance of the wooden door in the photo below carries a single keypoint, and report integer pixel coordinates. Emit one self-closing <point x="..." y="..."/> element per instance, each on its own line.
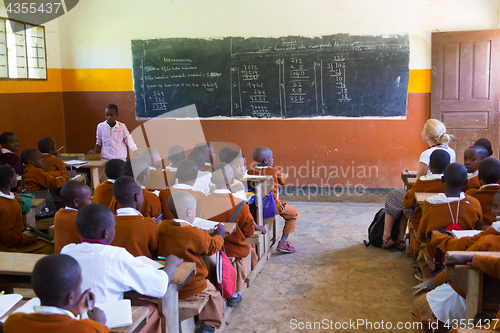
<point x="465" y="86"/>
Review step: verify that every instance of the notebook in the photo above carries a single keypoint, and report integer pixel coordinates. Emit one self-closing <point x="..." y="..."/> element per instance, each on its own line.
<point x="28" y="307"/>
<point x="204" y="224"/>
<point x="465" y="233"/>
<point x="118" y="313"/>
<point x="7" y="302"/>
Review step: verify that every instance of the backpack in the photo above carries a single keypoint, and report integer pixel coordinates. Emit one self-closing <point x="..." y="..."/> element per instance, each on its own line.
<point x="376" y="229"/>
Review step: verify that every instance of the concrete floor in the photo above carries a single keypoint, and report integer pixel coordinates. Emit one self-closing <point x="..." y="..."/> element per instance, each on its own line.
<point x="331" y="277"/>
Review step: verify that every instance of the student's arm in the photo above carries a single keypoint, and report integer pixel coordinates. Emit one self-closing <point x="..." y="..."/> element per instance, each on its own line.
<point x="422" y="169"/>
<point x="424" y="222"/>
<point x="171" y="264"/>
<point x="213" y="244"/>
<point x="488" y="265"/>
<point x="96" y="149"/>
<point x="129" y="141"/>
<point x="280" y="178"/>
<point x="261" y="228"/>
<point x="50" y="182"/>
<point x="98" y="143"/>
<point x="11" y="231"/>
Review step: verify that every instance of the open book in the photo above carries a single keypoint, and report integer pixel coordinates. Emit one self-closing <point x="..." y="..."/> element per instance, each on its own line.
<point x="465" y="233"/>
<point x="118" y="313"/>
<point x="28" y="307"/>
<point x="76" y="163"/>
<point x="204" y="224"/>
<point x="8" y="301"/>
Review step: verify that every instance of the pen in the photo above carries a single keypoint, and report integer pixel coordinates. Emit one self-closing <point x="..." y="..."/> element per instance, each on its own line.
<point x="161" y="258"/>
<point x="60" y="148"/>
<point x="159" y="217"/>
<point x="88" y="302"/>
<point x="70" y="167"/>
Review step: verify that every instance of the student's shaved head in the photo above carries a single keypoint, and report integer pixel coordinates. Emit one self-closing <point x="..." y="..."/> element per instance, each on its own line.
<point x="179" y="202"/>
<point x="93" y="219"/>
<point x="136" y="167"/>
<point x="485" y="143"/>
<point x="203" y="146"/>
<point x="223" y="153"/>
<point x="72" y="190"/>
<point x="198" y="157"/>
<point x="439" y="160"/>
<point x="124" y="189"/>
<point x="46" y="144"/>
<point x="6" y="174"/>
<point x="29" y="154"/>
<point x="222" y="176"/>
<point x="176" y="154"/>
<point x="114" y="168"/>
<point x="259" y="154"/>
<point x="455" y="175"/>
<point x="489" y="171"/>
<point x="54" y="277"/>
<point x="187" y="171"/>
<point x="232" y="156"/>
<point x="480" y="151"/>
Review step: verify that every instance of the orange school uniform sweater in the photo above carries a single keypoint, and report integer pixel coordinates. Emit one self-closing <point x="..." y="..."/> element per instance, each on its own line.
<point x="474" y="183"/>
<point x="278" y="179"/>
<point x="53" y="165"/>
<point x="103" y="194"/>
<point x="166" y="193"/>
<point x="438" y="216"/>
<point x="37" y="179"/>
<point x="188" y="243"/>
<point x="151" y="207"/>
<point x="50" y="323"/>
<point x="447" y="243"/>
<point x="137" y="234"/>
<point x="11" y="224"/>
<point x="485" y="197"/>
<point x="409" y="201"/>
<point x="219" y="207"/>
<point x="65" y="229"/>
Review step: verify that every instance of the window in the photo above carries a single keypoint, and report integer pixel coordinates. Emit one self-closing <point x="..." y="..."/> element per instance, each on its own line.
<point x="22" y="53"/>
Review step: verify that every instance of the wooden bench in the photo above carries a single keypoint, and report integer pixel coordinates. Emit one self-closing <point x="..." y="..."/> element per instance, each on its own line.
<point x="44" y="224"/>
<point x="36" y="206"/>
<point x="408" y="174"/>
<point x="421" y="197"/>
<point x="187" y="311"/>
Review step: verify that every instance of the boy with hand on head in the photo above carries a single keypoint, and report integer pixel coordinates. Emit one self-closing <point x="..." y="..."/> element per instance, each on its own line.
<point x="177" y="237"/>
<point x="75" y="196"/>
<point x="453" y="206"/>
<point x="134" y="232"/>
<point x="56" y="280"/>
<point x="489" y="176"/>
<point x="35" y="178"/>
<point x="187" y="171"/>
<point x="472" y="157"/>
<point x="113" y="137"/>
<point x="10" y="145"/>
<point x="103" y="193"/>
<point x="204" y="178"/>
<point x="111" y="270"/>
<point x="12" y="232"/>
<point x="139" y="170"/>
<point x="220" y="206"/>
<point x="53" y="165"/>
<point x="264" y="158"/>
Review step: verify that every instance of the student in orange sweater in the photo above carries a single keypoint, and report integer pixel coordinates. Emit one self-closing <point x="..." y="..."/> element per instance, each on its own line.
<point x="453" y="206"/>
<point x="35" y="177"/>
<point x="489" y="175"/>
<point x="204" y="178"/>
<point x="103" y="193"/>
<point x="187" y="172"/>
<point x="75" y="196"/>
<point x="53" y="164"/>
<point x="190" y="243"/>
<point x="12" y="232"/>
<point x="472" y="157"/>
<point x="57" y="280"/>
<point x="219" y="206"/>
<point x="134" y="232"/>
<point x="139" y="170"/>
<point x="10" y="145"/>
<point x="264" y="157"/>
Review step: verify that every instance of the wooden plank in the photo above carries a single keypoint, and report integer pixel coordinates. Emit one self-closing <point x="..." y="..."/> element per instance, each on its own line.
<point x="36" y="206"/>
<point x="473" y="302"/>
<point x="12" y="263"/>
<point x="421" y="197"/>
<point x="254" y="238"/>
<point x="188" y="309"/>
<point x="183" y="273"/>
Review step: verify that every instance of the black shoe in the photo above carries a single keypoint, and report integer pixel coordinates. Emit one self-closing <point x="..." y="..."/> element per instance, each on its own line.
<point x="234" y="301"/>
<point x="205" y="328"/>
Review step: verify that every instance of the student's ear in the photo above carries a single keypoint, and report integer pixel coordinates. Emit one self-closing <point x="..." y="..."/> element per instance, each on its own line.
<point x="136" y="196"/>
<point x="69" y="300"/>
<point x="104" y="234"/>
<point x="76" y="202"/>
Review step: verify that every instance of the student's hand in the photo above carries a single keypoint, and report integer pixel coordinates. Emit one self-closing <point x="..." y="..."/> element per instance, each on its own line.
<point x="72" y="173"/>
<point x="459" y="259"/>
<point x="58" y="154"/>
<point x="35" y="238"/>
<point x="261" y="228"/>
<point x="82" y="305"/>
<point x="98" y="315"/>
<point x="220" y="230"/>
<point x="91" y="152"/>
<point x="173" y="260"/>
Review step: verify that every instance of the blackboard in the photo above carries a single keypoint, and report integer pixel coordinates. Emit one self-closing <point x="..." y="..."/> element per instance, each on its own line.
<point x="338" y="75"/>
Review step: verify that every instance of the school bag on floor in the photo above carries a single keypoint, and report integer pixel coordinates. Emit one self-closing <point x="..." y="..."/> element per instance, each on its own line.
<point x="376" y="229"/>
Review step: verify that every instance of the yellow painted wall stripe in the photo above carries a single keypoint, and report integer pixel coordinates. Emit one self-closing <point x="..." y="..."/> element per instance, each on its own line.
<point x="120" y="79"/>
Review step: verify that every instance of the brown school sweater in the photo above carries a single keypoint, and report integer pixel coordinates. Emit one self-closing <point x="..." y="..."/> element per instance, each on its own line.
<point x="485" y="197"/>
<point x="166" y="193"/>
<point x="151" y="207"/>
<point x="188" y="243"/>
<point x="474" y="183"/>
<point x="37" y="179"/>
<point x="219" y="207"/>
<point x="65" y="229"/>
<point x="137" y="234"/>
<point x="11" y="224"/>
<point x="50" y="323"/>
<point x="103" y="194"/>
<point x="447" y="243"/>
<point x="277" y="177"/>
<point x="409" y="201"/>
<point x="53" y="165"/>
<point x="437" y="216"/>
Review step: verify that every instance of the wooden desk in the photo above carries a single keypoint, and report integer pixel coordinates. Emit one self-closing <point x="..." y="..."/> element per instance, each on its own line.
<point x="36" y="207"/>
<point x="421" y="197"/>
<point x="410" y="182"/>
<point x="407" y="174"/>
<point x="96" y="169"/>
<point x="470" y="281"/>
